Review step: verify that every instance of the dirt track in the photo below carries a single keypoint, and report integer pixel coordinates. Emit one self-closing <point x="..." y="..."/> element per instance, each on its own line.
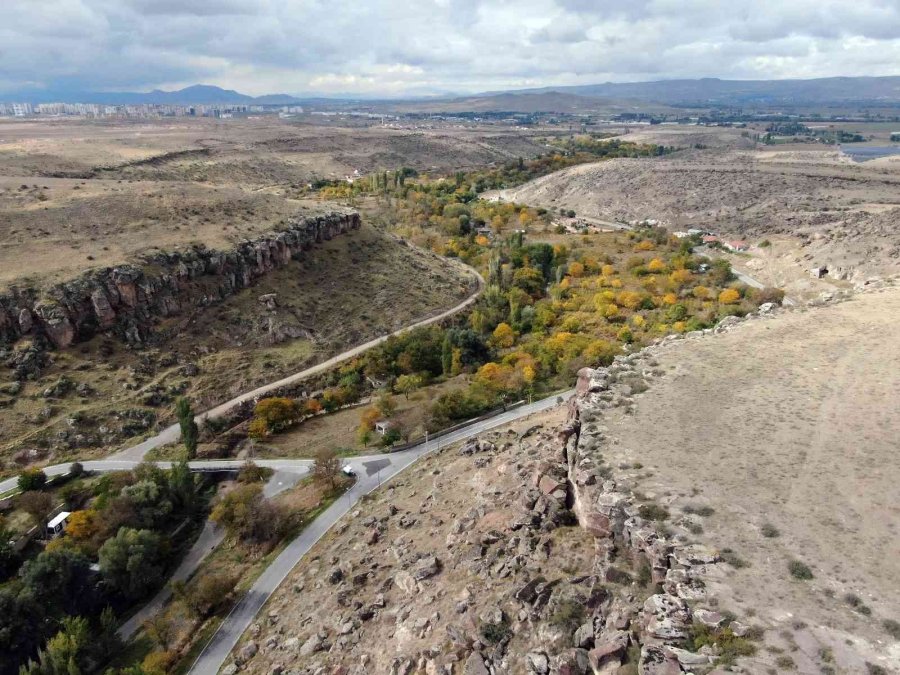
<point x="790" y="422"/>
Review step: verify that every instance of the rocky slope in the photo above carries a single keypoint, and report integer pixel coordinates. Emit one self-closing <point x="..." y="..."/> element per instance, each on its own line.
<point x="127" y="299"/>
<point x="517" y="553"/>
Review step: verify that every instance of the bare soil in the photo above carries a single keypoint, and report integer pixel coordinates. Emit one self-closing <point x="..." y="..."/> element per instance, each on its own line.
<point x="786" y="429"/>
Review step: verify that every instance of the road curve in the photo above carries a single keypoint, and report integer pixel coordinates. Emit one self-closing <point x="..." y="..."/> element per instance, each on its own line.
<point x="371" y="471"/>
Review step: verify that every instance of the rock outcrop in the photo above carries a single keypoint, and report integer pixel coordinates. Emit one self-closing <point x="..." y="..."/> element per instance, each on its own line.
<point x="128" y="299"/>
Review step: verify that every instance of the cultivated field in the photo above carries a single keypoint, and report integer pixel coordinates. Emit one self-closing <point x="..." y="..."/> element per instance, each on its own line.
<point x="786" y="430"/>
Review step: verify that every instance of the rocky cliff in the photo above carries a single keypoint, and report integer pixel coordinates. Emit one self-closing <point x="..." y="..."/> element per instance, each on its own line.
<point x="126" y="300"/>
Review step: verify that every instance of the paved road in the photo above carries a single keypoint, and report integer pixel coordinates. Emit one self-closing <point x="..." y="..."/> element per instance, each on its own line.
<point x="211" y="536"/>
<point x="105" y="465"/>
<point x="172" y="433"/>
<point x="371" y="472"/>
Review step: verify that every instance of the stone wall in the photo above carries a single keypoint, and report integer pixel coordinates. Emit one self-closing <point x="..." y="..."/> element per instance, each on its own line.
<point x="127" y="299"/>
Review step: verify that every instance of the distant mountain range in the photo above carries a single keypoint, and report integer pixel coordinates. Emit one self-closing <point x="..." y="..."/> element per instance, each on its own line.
<point x="712" y="91"/>
<point x="690" y="93"/>
<point x="199" y="94"/>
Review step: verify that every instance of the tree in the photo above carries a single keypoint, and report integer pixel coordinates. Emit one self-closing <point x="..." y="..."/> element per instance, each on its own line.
<point x="132" y="561"/>
<point x="160" y="629"/>
<point x="729" y="296"/>
<point x="277" y="411"/>
<point x="65" y="653"/>
<point x="206" y="595"/>
<point x="190" y="434"/>
<point x="407" y="384"/>
<point x="246" y="514"/>
<point x="32" y="479"/>
<point x="38" y="505"/>
<point x="386" y="405"/>
<point x="504" y="336"/>
<point x="312" y="407"/>
<point x="84" y="529"/>
<point x="21" y="626"/>
<point x="327" y="467"/>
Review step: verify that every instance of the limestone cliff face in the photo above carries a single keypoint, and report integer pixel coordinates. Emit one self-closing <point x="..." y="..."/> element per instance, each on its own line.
<point x="127" y="299"/>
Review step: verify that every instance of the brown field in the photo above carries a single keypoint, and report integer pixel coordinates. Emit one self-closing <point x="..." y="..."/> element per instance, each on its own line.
<point x="78" y="194"/>
<point x="835" y="212"/>
<point x="787" y="423"/>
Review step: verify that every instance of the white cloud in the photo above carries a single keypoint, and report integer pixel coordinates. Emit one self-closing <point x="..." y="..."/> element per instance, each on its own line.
<point x="262" y="46"/>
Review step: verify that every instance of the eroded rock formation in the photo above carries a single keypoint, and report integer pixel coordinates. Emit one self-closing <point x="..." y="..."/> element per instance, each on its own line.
<point x="127" y="299"/>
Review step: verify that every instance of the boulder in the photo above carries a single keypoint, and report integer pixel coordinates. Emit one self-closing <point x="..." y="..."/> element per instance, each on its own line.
<point x="609" y="649"/>
<point x="426" y="567"/>
<point x="475" y="665"/>
<point x="537" y="662"/>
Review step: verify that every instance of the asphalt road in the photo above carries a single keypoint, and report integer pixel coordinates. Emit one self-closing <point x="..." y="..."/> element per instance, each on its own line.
<point x="211" y="536"/>
<point x="371" y="472"/>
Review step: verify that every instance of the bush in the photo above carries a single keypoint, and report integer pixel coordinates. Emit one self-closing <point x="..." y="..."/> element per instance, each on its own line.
<point x="32" y="479"/>
<point x="569" y="615"/>
<point x="769" y="531"/>
<point x="892" y="627"/>
<point x="76" y="469"/>
<point x="800" y="570"/>
<point x="653" y="512"/>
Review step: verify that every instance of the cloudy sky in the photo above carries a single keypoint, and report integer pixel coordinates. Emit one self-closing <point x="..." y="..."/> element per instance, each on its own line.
<point x="421" y="46"/>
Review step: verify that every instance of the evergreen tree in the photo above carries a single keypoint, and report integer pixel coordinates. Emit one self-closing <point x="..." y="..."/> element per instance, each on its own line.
<point x="189" y="432"/>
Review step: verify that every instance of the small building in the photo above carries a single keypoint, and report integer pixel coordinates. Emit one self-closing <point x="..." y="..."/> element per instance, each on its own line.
<point x="58" y="524"/>
<point x="485" y="232"/>
<point x="819" y="272"/>
<point x="383" y="426"/>
<point x="737" y="245"/>
<point x="710" y="239"/>
<point x="681" y="235"/>
<point x="693" y="231"/>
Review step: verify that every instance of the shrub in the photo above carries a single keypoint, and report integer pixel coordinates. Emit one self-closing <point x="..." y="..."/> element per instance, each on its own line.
<point x="32" y="479"/>
<point x="733" y="559"/>
<point x="892" y="627"/>
<point x="769" y="531"/>
<point x="800" y="570"/>
<point x="653" y="512"/>
<point x="699" y="510"/>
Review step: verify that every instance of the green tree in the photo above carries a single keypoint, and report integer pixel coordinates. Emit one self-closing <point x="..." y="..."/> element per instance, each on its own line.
<point x="447" y="354"/>
<point x="61" y="581"/>
<point x="132" y="561"/>
<point x="32" y="479"/>
<point x="65" y="653"/>
<point x="407" y="384"/>
<point x="190" y="434"/>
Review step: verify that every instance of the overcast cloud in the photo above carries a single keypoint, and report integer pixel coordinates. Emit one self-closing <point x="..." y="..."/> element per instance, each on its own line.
<point x="419" y="46"/>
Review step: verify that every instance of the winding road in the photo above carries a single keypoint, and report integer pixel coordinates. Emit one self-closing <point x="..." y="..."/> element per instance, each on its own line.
<point x="371" y="471"/>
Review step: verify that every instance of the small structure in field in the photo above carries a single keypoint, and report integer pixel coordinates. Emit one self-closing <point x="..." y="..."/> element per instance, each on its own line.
<point x="710" y="239"/>
<point x="819" y="272"/>
<point x="384" y="426"/>
<point x="58" y="524"/>
<point x="737" y="245"/>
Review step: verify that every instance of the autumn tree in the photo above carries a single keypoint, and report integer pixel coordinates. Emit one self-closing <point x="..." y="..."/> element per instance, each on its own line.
<point x="729" y="296"/>
<point x="504" y="336"/>
<point x="276" y="412"/>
